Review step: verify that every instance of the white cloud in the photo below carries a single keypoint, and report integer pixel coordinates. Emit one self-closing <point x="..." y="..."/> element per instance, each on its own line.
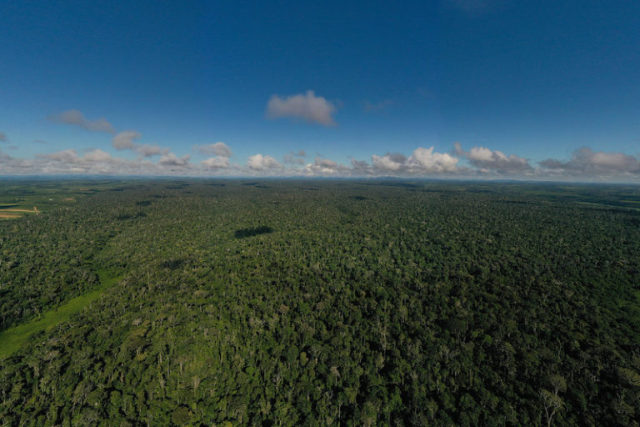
<point x="71" y="157"/>
<point x="76" y="118"/>
<point x="221" y="152"/>
<point x="172" y="160"/>
<point x="218" y="149"/>
<point x="65" y="156"/>
<point x="3" y="137"/>
<point x="482" y="154"/>
<point x="93" y="162"/>
<point x="360" y="168"/>
<point x="148" y="150"/>
<point x="124" y="140"/>
<point x="311" y="108"/>
<point x="99" y="162"/>
<point x="585" y="164"/>
<point x="220" y="162"/>
<point x="422" y="162"/>
<point x="258" y="162"/>
<point x="612" y="161"/>
<point x="389" y="162"/>
<point x="326" y="167"/>
<point x="588" y="163"/>
<point x="425" y="160"/>
<point x="489" y="161"/>
<point x="11" y="165"/>
<point x="97" y="155"/>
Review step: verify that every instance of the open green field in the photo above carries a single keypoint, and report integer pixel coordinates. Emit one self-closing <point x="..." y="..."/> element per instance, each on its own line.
<point x="14" y="338"/>
<point x="18" y="198"/>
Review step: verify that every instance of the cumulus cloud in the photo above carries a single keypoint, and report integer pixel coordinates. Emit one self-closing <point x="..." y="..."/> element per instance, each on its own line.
<point x="422" y="162"/>
<point x="69" y="161"/>
<point x="326" y="167"/>
<point x="426" y="160"/>
<point x="588" y="163"/>
<point x="307" y="106"/>
<point x="360" y="168"/>
<point x="76" y="118"/>
<point x="389" y="162"/>
<point x="3" y="137"/>
<point x="97" y="155"/>
<point x="98" y="162"/>
<point x="487" y="161"/>
<point x="125" y="140"/>
<point x="65" y="156"/>
<point x="217" y="149"/>
<point x="149" y="150"/>
<point x="219" y="162"/>
<point x="172" y="160"/>
<point x="12" y="165"/>
<point x="94" y="161"/>
<point x="258" y="162"/>
<point x="585" y="164"/>
<point x="71" y="157"/>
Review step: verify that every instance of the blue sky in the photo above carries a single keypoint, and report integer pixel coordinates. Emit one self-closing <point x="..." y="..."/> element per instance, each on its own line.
<point x="458" y="88"/>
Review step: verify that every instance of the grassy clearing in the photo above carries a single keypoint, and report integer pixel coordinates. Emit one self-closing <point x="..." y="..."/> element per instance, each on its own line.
<point x="12" y="213"/>
<point x="14" y="338"/>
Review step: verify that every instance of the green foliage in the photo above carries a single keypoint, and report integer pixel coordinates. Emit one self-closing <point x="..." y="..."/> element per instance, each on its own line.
<point x="13" y="338"/>
<point x="366" y="303"/>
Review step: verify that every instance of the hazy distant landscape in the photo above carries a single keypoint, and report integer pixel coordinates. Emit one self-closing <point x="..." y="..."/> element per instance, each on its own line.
<point x="319" y="302"/>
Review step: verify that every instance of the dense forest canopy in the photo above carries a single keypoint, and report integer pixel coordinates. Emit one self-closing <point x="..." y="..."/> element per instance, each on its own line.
<point x="284" y="302"/>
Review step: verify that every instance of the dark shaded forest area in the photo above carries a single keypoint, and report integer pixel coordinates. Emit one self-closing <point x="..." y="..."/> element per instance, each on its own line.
<point x="324" y="302"/>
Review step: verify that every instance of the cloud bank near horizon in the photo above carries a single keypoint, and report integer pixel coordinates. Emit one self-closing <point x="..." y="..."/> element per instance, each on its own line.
<point x="478" y="162"/>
